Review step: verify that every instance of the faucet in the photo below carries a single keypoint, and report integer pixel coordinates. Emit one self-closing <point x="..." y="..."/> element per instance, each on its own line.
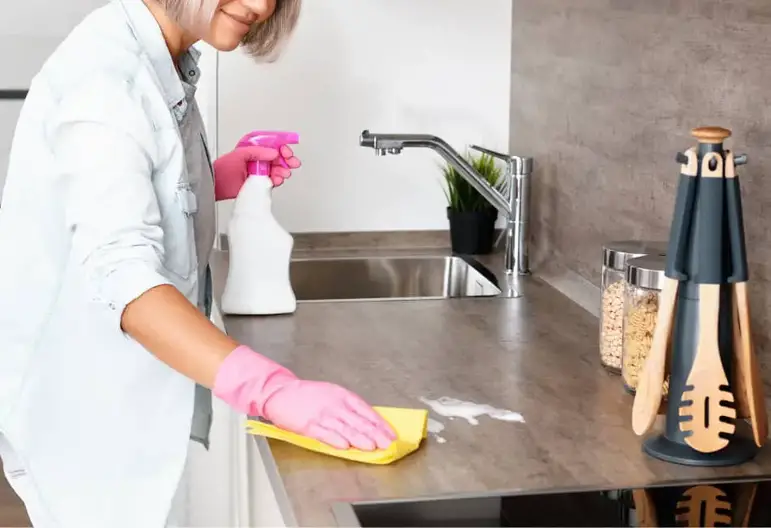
<point x="511" y="197"/>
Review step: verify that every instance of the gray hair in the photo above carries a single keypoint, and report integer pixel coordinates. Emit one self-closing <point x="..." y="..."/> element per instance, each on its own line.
<point x="263" y="39"/>
<point x="192" y="15"/>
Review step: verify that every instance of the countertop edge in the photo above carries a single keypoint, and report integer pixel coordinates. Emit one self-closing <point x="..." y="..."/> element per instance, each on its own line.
<point x="263" y="448"/>
<point x="277" y="484"/>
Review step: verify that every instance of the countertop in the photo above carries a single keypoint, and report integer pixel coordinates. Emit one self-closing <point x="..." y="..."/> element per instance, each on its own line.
<point x="535" y="355"/>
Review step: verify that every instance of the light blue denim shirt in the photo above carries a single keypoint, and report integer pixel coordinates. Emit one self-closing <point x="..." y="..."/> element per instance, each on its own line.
<point x="109" y="193"/>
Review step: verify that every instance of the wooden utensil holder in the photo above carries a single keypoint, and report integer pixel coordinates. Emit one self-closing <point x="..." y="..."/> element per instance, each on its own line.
<point x="705" y="337"/>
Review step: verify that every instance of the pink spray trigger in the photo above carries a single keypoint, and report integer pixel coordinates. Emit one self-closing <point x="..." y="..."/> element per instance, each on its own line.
<point x="272" y="139"/>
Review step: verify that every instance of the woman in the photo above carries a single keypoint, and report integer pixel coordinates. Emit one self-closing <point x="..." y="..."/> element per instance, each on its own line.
<point x="108" y="220"/>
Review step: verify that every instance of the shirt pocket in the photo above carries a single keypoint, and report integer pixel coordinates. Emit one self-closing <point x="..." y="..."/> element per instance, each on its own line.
<point x="179" y="232"/>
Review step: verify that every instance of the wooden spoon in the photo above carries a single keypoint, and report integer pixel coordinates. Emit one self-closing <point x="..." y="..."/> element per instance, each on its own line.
<point x="650" y="387"/>
<point x="706" y="389"/>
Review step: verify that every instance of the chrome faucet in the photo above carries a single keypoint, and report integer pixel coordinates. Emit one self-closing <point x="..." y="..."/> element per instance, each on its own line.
<point x="511" y="197"/>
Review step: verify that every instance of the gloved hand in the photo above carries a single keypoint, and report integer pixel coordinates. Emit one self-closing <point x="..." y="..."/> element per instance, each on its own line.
<point x="253" y="384"/>
<point x="230" y="170"/>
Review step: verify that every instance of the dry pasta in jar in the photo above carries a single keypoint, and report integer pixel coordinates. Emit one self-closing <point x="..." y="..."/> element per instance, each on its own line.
<point x="644" y="276"/>
<point x="614" y="258"/>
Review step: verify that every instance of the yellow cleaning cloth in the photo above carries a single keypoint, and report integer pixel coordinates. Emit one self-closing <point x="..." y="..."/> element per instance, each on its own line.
<point x="410" y="425"/>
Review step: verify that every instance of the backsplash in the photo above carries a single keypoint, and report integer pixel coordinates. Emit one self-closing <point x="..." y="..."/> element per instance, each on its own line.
<point x="604" y="94"/>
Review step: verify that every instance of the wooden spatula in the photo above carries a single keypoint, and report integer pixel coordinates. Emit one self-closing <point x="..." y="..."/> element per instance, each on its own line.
<point x="748" y="385"/>
<point x="706" y="393"/>
<point x="703" y="506"/>
<point x="740" y="379"/>
<point x="743" y="503"/>
<point x="644" y="507"/>
<point x="650" y="387"/>
<point x="748" y="370"/>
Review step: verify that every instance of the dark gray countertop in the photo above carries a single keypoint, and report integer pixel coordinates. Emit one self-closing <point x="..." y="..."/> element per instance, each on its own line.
<point x="536" y="355"/>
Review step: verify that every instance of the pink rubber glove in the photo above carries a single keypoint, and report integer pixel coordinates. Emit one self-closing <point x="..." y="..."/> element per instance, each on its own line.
<point x="253" y="384"/>
<point x="230" y="170"/>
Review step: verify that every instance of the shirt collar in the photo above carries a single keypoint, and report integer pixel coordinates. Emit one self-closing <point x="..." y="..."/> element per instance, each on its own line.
<point x="150" y="38"/>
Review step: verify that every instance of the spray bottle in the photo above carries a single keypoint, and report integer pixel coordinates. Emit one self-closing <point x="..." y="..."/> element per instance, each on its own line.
<point x="260" y="249"/>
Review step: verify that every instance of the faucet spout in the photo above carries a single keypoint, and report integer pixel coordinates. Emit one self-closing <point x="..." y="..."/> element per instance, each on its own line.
<point x="394" y="143"/>
<point x="511" y="196"/>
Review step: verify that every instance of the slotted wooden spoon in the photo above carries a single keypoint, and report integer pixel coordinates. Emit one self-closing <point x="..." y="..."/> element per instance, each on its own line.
<point x="706" y="405"/>
<point x="716" y="507"/>
<point x="706" y="393"/>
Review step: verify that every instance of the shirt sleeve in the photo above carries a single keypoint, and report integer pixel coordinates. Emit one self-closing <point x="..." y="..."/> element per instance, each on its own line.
<point x="111" y="209"/>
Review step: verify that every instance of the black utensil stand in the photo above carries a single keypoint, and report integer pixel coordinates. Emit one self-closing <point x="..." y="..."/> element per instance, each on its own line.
<point x="705" y="248"/>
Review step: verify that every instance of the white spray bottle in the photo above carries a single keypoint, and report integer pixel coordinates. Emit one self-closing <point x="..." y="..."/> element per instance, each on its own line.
<point x="260" y="249"/>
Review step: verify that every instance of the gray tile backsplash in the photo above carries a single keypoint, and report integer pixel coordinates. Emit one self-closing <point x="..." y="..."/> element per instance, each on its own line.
<point x="605" y="92"/>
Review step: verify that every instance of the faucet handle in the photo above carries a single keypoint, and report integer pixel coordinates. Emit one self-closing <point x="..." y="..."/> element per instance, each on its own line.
<point x="517" y="164"/>
<point x="504" y="157"/>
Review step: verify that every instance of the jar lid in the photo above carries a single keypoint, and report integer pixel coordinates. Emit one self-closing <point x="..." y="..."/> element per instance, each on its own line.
<point x="616" y="254"/>
<point x="646" y="272"/>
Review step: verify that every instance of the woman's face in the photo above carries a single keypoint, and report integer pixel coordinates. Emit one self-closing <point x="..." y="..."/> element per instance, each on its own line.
<point x="233" y="19"/>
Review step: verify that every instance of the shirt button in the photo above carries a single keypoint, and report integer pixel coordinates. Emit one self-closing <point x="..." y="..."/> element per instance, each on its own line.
<point x="191" y="73"/>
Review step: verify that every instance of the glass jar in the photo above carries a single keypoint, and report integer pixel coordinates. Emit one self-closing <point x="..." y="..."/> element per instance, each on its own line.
<point x="644" y="276"/>
<point x="614" y="258"/>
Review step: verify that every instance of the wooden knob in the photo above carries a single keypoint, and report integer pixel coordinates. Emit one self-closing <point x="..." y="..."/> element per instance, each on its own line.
<point x="711" y="134"/>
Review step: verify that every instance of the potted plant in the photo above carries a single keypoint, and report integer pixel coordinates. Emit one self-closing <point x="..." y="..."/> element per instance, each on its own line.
<point x="472" y="218"/>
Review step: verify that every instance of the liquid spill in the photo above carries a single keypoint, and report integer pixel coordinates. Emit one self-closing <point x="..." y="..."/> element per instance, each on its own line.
<point x="470" y="411"/>
<point x="434" y="428"/>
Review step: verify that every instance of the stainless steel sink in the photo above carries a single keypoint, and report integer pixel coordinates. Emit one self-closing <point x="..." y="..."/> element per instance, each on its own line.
<point x="390" y="278"/>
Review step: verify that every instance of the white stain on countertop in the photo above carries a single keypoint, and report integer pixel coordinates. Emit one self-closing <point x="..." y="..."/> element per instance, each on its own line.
<point x="470" y="411"/>
<point x="434" y="428"/>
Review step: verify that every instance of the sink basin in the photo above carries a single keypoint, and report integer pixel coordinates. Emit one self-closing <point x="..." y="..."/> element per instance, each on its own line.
<point x="390" y="278"/>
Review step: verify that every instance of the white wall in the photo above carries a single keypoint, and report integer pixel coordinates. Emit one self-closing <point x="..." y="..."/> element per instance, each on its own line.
<point x="427" y="66"/>
<point x="29" y="31"/>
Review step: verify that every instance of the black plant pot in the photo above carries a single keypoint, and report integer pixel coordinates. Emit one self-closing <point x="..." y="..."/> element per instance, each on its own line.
<point x="472" y="232"/>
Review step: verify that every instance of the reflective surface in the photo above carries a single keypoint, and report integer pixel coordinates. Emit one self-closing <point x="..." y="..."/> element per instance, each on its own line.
<point x="510" y="195"/>
<point x="704" y="503"/>
<point x="390" y="278"/>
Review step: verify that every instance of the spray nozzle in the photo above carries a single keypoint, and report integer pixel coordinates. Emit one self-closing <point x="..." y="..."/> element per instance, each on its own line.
<point x="272" y="139"/>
